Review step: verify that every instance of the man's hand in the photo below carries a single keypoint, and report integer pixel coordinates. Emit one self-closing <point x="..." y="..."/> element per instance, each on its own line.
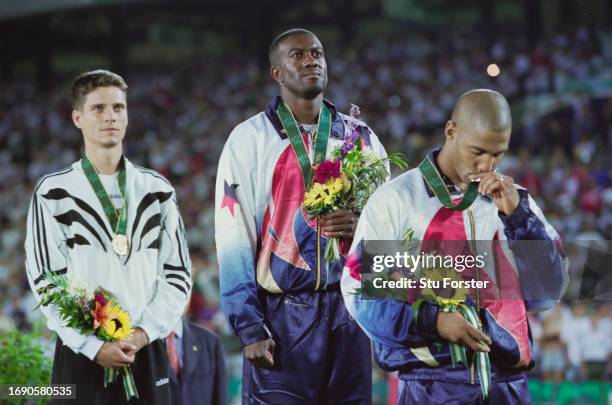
<point x="116" y="354"/>
<point x="339" y="224"/>
<point x="501" y="189"/>
<point x="453" y="327"/>
<point x="261" y="354"/>
<point x="138" y="338"/>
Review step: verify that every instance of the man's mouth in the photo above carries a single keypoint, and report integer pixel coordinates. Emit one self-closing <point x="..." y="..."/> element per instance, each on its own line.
<point x="313" y="73"/>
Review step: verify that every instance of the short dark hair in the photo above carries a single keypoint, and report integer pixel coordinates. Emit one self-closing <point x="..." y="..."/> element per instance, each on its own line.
<point x="277" y="41"/>
<point x="87" y="82"/>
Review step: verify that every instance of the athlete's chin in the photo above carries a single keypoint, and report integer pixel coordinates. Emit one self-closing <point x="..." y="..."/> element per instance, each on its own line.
<point x="312" y="92"/>
<point x="313" y="89"/>
<point x="110" y="144"/>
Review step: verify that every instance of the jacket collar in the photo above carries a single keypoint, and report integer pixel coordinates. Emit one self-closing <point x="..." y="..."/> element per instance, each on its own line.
<point x="450" y="186"/>
<point x="337" y="128"/>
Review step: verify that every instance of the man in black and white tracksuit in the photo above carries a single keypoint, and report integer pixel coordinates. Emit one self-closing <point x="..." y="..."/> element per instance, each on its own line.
<point x="105" y="222"/>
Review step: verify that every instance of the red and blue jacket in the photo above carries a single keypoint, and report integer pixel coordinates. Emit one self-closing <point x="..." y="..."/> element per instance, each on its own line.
<point x="265" y="241"/>
<point x="525" y="267"/>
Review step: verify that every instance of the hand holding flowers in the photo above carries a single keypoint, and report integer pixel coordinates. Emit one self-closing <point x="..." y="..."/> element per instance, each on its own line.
<point x="97" y="313"/>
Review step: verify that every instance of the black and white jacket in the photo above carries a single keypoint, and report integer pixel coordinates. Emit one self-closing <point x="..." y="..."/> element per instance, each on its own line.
<point x="68" y="233"/>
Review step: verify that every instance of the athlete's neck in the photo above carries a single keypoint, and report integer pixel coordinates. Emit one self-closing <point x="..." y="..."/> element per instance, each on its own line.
<point x="446" y="167"/>
<point x="305" y="111"/>
<point x="106" y="161"/>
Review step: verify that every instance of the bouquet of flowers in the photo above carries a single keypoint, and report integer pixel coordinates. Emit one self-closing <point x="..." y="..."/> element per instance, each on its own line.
<point x="91" y="313"/>
<point x="347" y="181"/>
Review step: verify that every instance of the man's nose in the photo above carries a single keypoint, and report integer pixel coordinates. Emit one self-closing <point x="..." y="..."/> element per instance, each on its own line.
<point x="487" y="164"/>
<point x="310" y="60"/>
<point x="109" y="115"/>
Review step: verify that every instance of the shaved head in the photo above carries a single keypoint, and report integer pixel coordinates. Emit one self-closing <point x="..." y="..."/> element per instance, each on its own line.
<point x="273" y="52"/>
<point x="477" y="135"/>
<point x="483" y="109"/>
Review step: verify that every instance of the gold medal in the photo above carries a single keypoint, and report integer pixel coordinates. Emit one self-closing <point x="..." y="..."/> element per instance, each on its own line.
<point x="120" y="244"/>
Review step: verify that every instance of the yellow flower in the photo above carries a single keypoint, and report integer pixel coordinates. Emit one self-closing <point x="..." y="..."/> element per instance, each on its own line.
<point x="315" y="195"/>
<point x="334" y="186"/>
<point x="310" y="201"/>
<point x="329" y="199"/>
<point x="118" y="324"/>
<point x="346" y="184"/>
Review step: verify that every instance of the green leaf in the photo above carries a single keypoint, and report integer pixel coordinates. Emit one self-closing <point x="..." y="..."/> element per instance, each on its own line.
<point x="23" y="361"/>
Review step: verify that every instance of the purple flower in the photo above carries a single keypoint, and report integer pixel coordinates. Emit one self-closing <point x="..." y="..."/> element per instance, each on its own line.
<point x="346" y="148"/>
<point x="349" y="142"/>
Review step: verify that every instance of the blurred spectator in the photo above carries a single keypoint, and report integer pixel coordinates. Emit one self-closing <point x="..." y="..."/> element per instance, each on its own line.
<point x="552" y="349"/>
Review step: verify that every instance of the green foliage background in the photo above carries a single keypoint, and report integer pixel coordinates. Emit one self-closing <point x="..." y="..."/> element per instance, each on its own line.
<point x="23" y="361"/>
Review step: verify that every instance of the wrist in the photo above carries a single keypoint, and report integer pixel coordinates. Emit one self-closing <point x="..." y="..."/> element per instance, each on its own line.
<point x="142" y="337"/>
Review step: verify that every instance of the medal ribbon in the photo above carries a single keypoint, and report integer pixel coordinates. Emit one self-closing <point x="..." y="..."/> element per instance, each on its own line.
<point x="457" y="350"/>
<point x="458" y="355"/>
<point x="297" y="142"/>
<point x="119" y="225"/>
<point x="435" y="182"/>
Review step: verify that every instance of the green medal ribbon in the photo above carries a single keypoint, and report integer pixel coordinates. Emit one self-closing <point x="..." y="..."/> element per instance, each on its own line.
<point x="435" y="182"/>
<point x="118" y="222"/>
<point x="483" y="364"/>
<point x="457" y="351"/>
<point x="129" y="385"/>
<point x="297" y="142"/>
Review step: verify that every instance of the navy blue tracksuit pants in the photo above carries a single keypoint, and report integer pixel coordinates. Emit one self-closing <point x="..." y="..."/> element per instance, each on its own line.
<point x="426" y="386"/>
<point x="321" y="354"/>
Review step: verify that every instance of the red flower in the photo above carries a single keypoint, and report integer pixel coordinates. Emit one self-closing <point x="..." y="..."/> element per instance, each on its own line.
<point x="328" y="170"/>
<point x="99" y="298"/>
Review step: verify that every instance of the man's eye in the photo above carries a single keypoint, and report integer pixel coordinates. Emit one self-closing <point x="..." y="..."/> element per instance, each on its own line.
<point x="297" y="55"/>
<point x="118" y="108"/>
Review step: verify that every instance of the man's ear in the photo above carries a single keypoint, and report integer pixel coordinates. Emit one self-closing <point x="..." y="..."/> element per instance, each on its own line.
<point x="276" y="74"/>
<point x="76" y="118"/>
<point x="450" y="131"/>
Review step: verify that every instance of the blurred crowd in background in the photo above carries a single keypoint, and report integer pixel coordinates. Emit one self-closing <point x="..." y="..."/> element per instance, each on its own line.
<point x="560" y="90"/>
